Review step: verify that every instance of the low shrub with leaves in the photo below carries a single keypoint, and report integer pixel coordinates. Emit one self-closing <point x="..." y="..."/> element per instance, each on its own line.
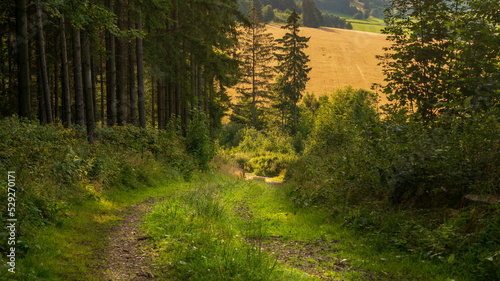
<point x="265" y="153"/>
<point x="56" y="167"/>
<point x="401" y="183"/>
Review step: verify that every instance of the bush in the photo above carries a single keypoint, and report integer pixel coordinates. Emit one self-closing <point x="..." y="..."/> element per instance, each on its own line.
<point x="265" y="153"/>
<point x="55" y="166"/>
<point x="353" y="156"/>
<point x="198" y="142"/>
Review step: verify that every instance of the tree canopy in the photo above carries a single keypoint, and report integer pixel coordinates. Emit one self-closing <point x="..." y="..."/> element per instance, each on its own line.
<point x="292" y="67"/>
<point x="444" y="60"/>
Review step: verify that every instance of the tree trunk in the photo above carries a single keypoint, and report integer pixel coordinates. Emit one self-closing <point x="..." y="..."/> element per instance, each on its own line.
<point x="55" y="105"/>
<point x="93" y="68"/>
<point x="171" y="101"/>
<point x="253" y="78"/>
<point x="153" y="102"/>
<point x="110" y="75"/>
<point x="43" y="63"/>
<point x="140" y="77"/>
<point x="65" y="92"/>
<point x="132" y="76"/>
<point x="200" y="88"/>
<point x="160" y="104"/>
<point x="121" y="64"/>
<point x="42" y="116"/>
<point x="87" y="82"/>
<point x="77" y="64"/>
<point x="101" y="75"/>
<point x="23" y="75"/>
<point x="295" y="119"/>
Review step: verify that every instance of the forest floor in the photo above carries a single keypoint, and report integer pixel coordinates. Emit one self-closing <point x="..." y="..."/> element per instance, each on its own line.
<point x="222" y="228"/>
<point x="214" y="227"/>
<point x="126" y="256"/>
<point x="129" y="253"/>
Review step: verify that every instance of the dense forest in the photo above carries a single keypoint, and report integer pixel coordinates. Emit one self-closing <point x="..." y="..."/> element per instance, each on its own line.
<point x="124" y="99"/>
<point x="84" y="62"/>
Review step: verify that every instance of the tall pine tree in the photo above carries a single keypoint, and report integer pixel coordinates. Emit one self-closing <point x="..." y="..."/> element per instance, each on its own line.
<point x="256" y="53"/>
<point x="292" y="67"/>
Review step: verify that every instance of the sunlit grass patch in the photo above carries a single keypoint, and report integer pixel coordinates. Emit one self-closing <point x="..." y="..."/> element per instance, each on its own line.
<point x="366" y="27"/>
<point x="198" y="239"/>
<point x="329" y="247"/>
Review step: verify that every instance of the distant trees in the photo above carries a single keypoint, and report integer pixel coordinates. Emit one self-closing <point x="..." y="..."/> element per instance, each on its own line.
<point x="338" y="6"/>
<point x="282" y="5"/>
<point x="257" y="51"/>
<point x="292" y="68"/>
<point x="445" y="57"/>
<point x="312" y="16"/>
<point x="332" y="20"/>
<point x="267" y="13"/>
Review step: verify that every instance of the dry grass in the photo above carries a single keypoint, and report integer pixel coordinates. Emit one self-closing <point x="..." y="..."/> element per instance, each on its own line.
<point x="340" y="57"/>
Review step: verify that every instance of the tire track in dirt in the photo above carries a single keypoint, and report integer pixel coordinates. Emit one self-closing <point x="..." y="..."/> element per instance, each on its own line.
<point x="126" y="256"/>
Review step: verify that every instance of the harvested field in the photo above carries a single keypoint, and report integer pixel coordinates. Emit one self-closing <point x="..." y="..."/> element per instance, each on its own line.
<point x="340" y="57"/>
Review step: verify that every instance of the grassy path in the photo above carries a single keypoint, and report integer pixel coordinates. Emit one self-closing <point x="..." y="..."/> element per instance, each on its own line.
<point x="226" y="229"/>
<point x="212" y="228"/>
<point x="126" y="256"/>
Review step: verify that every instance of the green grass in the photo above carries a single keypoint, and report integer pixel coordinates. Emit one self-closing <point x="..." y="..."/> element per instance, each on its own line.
<point x="215" y="229"/>
<point x="218" y="228"/>
<point x="279" y="217"/>
<point x="70" y="249"/>
<point x="374" y="25"/>
<point x="198" y="238"/>
<point x="366" y="27"/>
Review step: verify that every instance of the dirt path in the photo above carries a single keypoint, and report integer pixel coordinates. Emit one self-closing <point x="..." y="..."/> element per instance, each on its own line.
<point x="127" y="256"/>
<point x="316" y="257"/>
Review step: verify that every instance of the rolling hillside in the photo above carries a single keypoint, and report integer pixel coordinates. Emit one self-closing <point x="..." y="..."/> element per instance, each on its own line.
<point x="340" y="57"/>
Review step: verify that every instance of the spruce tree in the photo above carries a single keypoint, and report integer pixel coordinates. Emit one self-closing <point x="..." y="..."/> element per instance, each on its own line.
<point x="256" y="54"/>
<point x="292" y="67"/>
<point x="312" y="15"/>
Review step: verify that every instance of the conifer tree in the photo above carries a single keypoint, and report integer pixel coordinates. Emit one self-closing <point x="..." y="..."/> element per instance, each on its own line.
<point x="292" y="67"/>
<point x="256" y="53"/>
<point x="312" y="15"/>
<point x="23" y="72"/>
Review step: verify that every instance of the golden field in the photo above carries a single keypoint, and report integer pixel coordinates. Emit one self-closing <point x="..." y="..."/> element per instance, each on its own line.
<point x="340" y="57"/>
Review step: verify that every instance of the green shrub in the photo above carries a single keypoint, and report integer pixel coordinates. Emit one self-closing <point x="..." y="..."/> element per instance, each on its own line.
<point x="264" y="153"/>
<point x="198" y="142"/>
<point x="55" y="166"/>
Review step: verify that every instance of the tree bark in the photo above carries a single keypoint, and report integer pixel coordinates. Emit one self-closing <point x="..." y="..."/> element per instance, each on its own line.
<point x="101" y="75"/>
<point x="140" y="77"/>
<point x="65" y="92"/>
<point x="121" y="71"/>
<point x="161" y="104"/>
<point x="43" y="63"/>
<point x="153" y="102"/>
<point x="23" y="75"/>
<point x="171" y="101"/>
<point x="77" y="64"/>
<point x="110" y="75"/>
<point x="132" y="76"/>
<point x="87" y="82"/>
<point x="42" y="116"/>
<point x="55" y="105"/>
<point x="93" y="67"/>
